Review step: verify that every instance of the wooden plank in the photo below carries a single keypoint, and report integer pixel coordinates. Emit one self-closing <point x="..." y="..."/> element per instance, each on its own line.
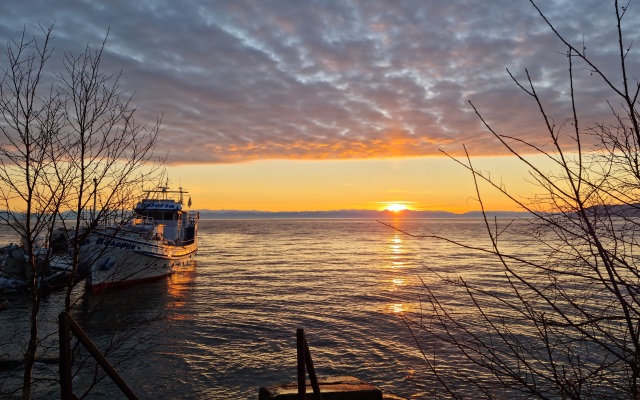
<point x="332" y="388"/>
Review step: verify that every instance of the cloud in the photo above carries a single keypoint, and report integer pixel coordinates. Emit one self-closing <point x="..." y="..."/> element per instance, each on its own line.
<point x="245" y="80"/>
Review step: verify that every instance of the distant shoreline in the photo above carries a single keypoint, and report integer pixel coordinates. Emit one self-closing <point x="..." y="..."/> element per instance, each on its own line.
<point x="354" y="214"/>
<point x="345" y="214"/>
<point x="627" y="211"/>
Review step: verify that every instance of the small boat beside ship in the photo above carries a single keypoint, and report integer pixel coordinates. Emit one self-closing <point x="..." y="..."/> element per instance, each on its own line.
<point x="54" y="265"/>
<point x="160" y="236"/>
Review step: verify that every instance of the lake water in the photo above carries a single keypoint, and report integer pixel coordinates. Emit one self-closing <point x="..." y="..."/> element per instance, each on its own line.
<point x="225" y="326"/>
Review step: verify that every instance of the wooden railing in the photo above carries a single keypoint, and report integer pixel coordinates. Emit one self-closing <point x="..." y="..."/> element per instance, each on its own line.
<point x="66" y="326"/>
<point x="305" y="363"/>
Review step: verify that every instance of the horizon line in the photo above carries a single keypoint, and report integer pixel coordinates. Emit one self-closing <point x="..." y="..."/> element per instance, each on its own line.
<point x="346" y="210"/>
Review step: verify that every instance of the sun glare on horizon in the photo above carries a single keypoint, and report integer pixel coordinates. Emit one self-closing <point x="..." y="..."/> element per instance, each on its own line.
<point x="396" y="207"/>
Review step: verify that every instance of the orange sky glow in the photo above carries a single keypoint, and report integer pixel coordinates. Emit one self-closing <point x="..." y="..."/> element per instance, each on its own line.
<point x="429" y="183"/>
<point x="304" y="106"/>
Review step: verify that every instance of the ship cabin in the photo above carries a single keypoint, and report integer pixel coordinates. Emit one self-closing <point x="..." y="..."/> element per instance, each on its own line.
<point x="171" y="222"/>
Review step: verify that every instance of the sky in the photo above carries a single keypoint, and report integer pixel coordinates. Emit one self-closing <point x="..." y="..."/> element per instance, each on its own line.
<point x="327" y="105"/>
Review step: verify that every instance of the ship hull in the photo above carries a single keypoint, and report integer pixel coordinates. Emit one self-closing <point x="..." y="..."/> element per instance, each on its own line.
<point x="123" y="260"/>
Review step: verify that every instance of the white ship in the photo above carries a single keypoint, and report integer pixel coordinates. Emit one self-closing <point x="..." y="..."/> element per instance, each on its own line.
<point x="160" y="237"/>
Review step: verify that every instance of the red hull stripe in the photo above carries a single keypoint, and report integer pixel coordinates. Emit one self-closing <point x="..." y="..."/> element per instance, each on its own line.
<point x="100" y="287"/>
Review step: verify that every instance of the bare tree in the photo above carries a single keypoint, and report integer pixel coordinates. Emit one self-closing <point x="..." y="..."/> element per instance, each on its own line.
<point x="107" y="155"/>
<point x="69" y="145"/>
<point x="566" y="324"/>
<point x="31" y="122"/>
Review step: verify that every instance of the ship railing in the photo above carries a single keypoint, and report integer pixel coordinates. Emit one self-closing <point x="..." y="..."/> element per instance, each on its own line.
<point x="142" y="224"/>
<point x="193" y="217"/>
<point x="67" y="325"/>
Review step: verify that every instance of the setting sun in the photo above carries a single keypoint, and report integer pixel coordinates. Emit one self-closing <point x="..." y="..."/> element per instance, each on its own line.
<point x="396" y="207"/>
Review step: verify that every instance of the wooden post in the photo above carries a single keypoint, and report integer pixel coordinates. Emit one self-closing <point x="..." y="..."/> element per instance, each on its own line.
<point x="338" y="388"/>
<point x="304" y="359"/>
<point x="302" y="384"/>
<point x="66" y="391"/>
<point x="312" y="371"/>
<point x="67" y="324"/>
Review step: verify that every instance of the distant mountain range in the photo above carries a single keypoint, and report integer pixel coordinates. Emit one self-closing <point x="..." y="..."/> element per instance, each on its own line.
<point x="362" y="214"/>
<point x="627" y="211"/>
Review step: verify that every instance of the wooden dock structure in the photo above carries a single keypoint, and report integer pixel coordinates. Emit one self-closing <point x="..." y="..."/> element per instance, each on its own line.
<point x="327" y="388"/>
<point x="332" y="388"/>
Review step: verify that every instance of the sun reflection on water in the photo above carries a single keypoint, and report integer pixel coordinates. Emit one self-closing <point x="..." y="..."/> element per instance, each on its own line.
<point x="397" y="282"/>
<point x="397" y="258"/>
<point x="396" y="247"/>
<point x="179" y="289"/>
<point x="397" y="308"/>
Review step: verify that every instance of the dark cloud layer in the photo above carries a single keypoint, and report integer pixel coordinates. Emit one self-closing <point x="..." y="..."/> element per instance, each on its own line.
<point x="247" y="80"/>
